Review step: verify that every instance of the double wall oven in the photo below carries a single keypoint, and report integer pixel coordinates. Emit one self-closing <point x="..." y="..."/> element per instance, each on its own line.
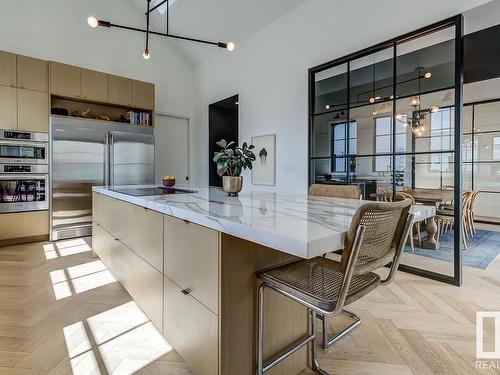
<point x="24" y="171"/>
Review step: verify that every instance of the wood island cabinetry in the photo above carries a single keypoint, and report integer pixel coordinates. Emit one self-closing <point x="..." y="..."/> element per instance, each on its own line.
<point x="198" y="286"/>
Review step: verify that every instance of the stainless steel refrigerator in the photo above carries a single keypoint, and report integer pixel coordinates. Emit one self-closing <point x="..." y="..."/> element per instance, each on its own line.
<point x="87" y="153"/>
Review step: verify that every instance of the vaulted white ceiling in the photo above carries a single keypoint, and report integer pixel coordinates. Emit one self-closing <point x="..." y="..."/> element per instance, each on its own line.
<point x="215" y="20"/>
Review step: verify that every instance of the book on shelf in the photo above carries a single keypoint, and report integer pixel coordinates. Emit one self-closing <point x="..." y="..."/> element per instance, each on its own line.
<point x="139" y="118"/>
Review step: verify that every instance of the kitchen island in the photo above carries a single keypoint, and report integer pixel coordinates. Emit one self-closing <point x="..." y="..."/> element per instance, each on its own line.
<point x="189" y="260"/>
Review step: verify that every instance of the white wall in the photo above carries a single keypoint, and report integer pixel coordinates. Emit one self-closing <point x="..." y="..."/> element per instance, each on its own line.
<point x="269" y="71"/>
<point x="57" y="30"/>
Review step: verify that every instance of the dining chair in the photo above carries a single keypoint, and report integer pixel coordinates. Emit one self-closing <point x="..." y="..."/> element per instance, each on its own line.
<point x="384" y="194"/>
<point x="335" y="191"/>
<point x="445" y="219"/>
<point x="470" y="213"/>
<point x="376" y="237"/>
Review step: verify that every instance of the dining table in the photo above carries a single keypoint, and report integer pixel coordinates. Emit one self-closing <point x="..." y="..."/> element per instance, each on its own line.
<point x="427" y="197"/>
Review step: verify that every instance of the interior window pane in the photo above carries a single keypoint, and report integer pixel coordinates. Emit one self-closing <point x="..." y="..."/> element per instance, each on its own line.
<point x="487" y="117"/>
<point x="330" y="89"/>
<point x="383" y="144"/>
<point x="426" y="64"/>
<point x="487" y="146"/>
<point x="339" y="148"/>
<point x="322" y="133"/>
<point x="487" y="176"/>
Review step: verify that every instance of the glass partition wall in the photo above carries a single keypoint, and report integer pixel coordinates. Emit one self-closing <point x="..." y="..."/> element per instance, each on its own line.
<point x="389" y="120"/>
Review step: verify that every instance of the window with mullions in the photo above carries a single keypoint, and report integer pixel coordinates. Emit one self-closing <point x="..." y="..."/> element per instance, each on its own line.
<point x="339" y="144"/>
<point x="441" y="137"/>
<point x="383" y="144"/>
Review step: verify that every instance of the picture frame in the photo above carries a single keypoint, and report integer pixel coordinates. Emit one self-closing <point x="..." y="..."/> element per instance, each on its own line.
<point x="264" y="167"/>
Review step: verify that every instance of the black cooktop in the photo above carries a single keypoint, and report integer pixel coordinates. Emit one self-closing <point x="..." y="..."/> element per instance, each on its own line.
<point x="159" y="190"/>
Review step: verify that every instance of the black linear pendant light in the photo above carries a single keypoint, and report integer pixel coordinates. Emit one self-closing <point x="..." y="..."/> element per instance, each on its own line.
<point x="94" y="22"/>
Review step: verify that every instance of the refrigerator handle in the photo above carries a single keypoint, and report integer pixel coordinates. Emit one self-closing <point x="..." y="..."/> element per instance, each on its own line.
<point x="106" y="159"/>
<point x="111" y="162"/>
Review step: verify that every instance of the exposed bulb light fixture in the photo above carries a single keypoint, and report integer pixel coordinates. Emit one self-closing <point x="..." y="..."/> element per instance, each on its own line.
<point x="371" y="100"/>
<point x="435" y="108"/>
<point x="374" y="112"/>
<point x="146" y="54"/>
<point x="428" y="75"/>
<point x="93" y="22"/>
<point x="415" y="101"/>
<point x="327" y="106"/>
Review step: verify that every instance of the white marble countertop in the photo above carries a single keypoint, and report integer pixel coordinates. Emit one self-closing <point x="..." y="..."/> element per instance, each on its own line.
<point x="295" y="224"/>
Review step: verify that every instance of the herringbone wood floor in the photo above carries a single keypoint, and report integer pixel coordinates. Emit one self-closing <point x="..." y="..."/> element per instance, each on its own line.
<point x="414" y="326"/>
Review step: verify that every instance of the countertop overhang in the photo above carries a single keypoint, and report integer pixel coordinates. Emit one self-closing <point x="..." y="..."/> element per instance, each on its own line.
<point x="299" y="225"/>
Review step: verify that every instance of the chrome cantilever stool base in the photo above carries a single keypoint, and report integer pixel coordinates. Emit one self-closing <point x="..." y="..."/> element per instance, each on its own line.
<point x="292" y="348"/>
<point x="327" y="342"/>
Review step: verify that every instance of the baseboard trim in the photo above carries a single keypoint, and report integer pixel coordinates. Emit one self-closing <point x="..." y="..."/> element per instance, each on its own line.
<point x="24" y="240"/>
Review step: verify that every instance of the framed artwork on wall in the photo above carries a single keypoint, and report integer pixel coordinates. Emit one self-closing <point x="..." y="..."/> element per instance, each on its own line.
<point x="264" y="168"/>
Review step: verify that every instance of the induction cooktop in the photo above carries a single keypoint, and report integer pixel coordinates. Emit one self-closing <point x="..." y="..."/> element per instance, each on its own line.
<point x="158" y="190"/>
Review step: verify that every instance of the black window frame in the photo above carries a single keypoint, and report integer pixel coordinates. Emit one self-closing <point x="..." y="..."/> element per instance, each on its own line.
<point x="457" y="23"/>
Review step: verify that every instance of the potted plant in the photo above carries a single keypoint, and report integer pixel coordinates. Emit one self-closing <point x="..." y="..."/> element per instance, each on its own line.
<point x="231" y="163"/>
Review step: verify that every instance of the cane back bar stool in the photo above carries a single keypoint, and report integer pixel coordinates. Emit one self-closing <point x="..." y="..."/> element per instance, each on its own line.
<point x="375" y="238"/>
<point x="336" y="191"/>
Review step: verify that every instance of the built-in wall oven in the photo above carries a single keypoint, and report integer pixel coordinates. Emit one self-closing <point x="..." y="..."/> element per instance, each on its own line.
<point x="24" y="171"/>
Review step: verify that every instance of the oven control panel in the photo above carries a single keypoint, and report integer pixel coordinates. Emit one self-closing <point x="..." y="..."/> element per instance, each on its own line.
<point x="22" y="169"/>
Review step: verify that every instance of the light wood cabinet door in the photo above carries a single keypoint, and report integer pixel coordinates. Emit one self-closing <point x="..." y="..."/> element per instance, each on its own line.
<point x="119" y="90"/>
<point x="99" y="242"/>
<point x="191" y="259"/>
<point x="8" y="107"/>
<point x="144" y="233"/>
<point x="94" y="85"/>
<point x="33" y="110"/>
<point x="65" y="80"/>
<point x="142" y="281"/>
<point x="143" y="95"/>
<point x="32" y="74"/>
<point x="192" y="329"/>
<point x="24" y="224"/>
<point x="8" y="69"/>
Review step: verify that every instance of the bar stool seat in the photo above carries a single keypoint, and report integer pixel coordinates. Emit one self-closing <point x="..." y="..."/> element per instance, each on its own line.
<point x="318" y="282"/>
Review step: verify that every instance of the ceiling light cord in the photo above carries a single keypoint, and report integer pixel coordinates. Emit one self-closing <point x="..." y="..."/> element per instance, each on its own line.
<point x="146" y="53"/>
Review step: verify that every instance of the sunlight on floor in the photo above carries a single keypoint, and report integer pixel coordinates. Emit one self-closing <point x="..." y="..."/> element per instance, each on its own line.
<point x="80" y="278"/>
<point x="50" y="251"/>
<point x="124" y="338"/>
<point x="113" y="322"/>
<point x="65" y="248"/>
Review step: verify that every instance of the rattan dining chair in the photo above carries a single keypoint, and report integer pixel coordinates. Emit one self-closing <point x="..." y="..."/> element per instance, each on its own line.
<point x="335" y="191"/>
<point x="375" y="238"/>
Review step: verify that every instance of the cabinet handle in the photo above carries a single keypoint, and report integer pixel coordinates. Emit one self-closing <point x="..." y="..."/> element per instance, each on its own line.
<point x="186" y="291"/>
<point x="186" y="221"/>
<point x="117" y="239"/>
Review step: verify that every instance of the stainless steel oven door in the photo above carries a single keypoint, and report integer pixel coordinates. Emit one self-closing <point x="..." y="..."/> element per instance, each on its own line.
<point x="23" y="152"/>
<point x="28" y="192"/>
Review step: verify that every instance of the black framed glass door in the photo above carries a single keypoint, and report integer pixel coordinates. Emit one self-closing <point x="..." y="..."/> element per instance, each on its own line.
<point x="402" y="100"/>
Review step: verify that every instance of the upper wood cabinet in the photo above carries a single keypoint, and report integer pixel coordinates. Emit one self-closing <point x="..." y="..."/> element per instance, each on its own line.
<point x="65" y="80"/>
<point x="143" y="94"/>
<point x="32" y="74"/>
<point x="94" y="85"/>
<point x="32" y="110"/>
<point x="7" y="69"/>
<point x="8" y="107"/>
<point x="120" y="90"/>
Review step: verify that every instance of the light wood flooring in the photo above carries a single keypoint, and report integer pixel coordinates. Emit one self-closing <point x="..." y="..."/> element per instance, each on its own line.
<point x="61" y="312"/>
